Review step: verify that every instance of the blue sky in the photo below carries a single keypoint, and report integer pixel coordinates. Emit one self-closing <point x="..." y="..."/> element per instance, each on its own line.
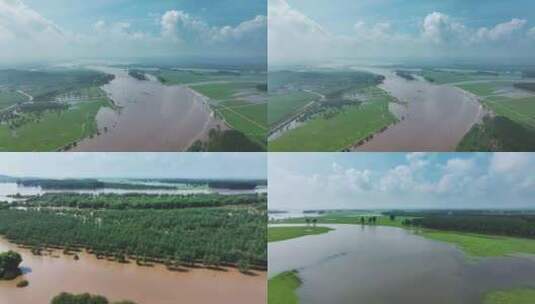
<point x="81" y="15"/>
<point x="195" y="165"/>
<point x="103" y="29"/>
<point x="400" y="29"/>
<point x="401" y="180"/>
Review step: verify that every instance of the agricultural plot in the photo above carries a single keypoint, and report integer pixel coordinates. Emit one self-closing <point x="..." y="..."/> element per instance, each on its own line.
<point x="484" y="88"/>
<point x="52" y="130"/>
<point x="282" y="106"/>
<point x="349" y="126"/>
<point x="241" y="104"/>
<point x="521" y="110"/>
<point x="445" y="77"/>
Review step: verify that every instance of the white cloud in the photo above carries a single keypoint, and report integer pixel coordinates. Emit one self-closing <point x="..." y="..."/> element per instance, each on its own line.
<point x="440" y="28"/>
<point x="501" y="31"/>
<point x="23" y="30"/>
<point x="422" y="180"/>
<point x="180" y="26"/>
<point x="292" y="35"/>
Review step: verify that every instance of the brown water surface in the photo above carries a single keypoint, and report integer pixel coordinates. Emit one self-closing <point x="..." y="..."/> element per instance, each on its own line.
<point x="49" y="276"/>
<point x="436" y="117"/>
<point x="152" y="116"/>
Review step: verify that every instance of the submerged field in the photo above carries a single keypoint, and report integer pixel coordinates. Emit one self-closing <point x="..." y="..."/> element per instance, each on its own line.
<point x="487" y="255"/>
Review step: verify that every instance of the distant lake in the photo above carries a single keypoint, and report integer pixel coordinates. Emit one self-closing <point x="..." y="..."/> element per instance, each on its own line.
<point x="385" y="265"/>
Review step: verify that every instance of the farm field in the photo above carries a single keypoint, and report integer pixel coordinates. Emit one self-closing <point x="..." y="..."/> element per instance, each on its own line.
<point x="446" y="77"/>
<point x="282" y="106"/>
<point x="52" y="130"/>
<point x="242" y="105"/>
<point x="351" y="125"/>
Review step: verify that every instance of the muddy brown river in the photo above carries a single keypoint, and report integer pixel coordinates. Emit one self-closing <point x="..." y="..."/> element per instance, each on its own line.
<point x="49" y="276"/>
<point x="152" y="116"/>
<point x="436" y="117"/>
<point x="385" y="265"/>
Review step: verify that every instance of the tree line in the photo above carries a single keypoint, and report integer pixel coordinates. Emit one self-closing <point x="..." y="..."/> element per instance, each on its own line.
<point x="211" y="236"/>
<point x="140" y="201"/>
<point x="507" y="225"/>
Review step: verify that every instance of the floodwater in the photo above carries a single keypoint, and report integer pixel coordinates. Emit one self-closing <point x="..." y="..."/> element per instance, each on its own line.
<point x="49" y="276"/>
<point x="384" y="265"/>
<point x="7" y="189"/>
<point x="436" y="117"/>
<point x="151" y="117"/>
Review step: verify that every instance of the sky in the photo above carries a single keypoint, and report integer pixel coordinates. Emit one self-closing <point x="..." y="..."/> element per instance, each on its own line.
<point x="317" y="30"/>
<point x="34" y="30"/>
<point x="129" y="165"/>
<point x="401" y="180"/>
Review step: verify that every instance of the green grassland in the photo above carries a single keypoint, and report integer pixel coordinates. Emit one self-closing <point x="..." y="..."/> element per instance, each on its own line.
<point x="479" y="245"/>
<point x="515" y="296"/>
<point x="249" y="120"/>
<point x="53" y="130"/>
<point x="282" y="288"/>
<point x="513" y="127"/>
<point x="521" y="110"/>
<point x="224" y="91"/>
<point x="444" y="77"/>
<point x="10" y="97"/>
<point x="350" y="125"/>
<point x="230" y="101"/>
<point x="276" y="234"/>
<point x="484" y="88"/>
<point x="282" y="106"/>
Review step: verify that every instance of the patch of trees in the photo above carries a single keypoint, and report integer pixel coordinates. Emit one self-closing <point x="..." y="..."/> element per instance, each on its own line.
<point x="498" y="134"/>
<point x="9" y="265"/>
<point x="226" y="141"/>
<point x="140" y="201"/>
<point x="507" y="225"/>
<point x="210" y="236"/>
<point x="405" y="74"/>
<point x="137" y="74"/>
<point x="67" y="298"/>
<point x="528" y="86"/>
